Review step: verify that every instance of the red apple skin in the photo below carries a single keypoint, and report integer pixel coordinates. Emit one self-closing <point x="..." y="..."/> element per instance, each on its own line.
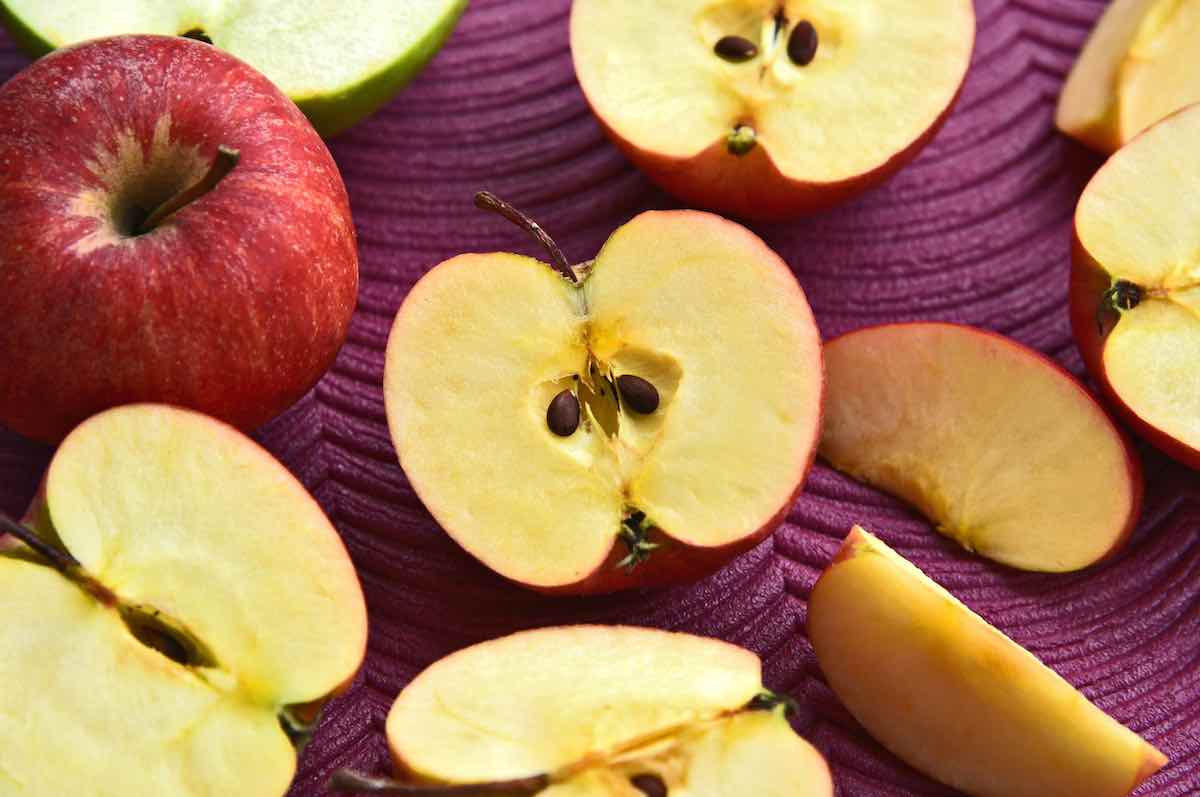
<point x="234" y="306"/>
<point x="1089" y="281"/>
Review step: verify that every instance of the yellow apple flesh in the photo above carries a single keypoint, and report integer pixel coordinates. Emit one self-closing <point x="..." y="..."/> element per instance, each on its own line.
<point x="954" y="697"/>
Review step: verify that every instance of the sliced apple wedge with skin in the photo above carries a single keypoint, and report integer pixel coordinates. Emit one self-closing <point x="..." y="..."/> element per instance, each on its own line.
<point x="1135" y="283"/>
<point x="590" y="710"/>
<point x="997" y="445"/>
<point x="767" y="109"/>
<point x="693" y="305"/>
<point x="954" y="697"/>
<point x="206" y="610"/>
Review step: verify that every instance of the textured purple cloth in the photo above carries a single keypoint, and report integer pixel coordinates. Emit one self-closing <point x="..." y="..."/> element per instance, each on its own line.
<point x="976" y="230"/>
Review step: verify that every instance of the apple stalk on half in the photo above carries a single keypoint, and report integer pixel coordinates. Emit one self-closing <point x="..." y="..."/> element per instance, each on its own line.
<point x="339" y="60"/>
<point x="596" y="711"/>
<point x="1135" y="283"/>
<point x="768" y="109"/>
<point x="633" y="422"/>
<point x="176" y="613"/>
<point x="954" y="697"/>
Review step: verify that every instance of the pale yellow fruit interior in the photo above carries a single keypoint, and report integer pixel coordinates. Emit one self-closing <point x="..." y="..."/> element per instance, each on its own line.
<point x="695" y="304"/>
<point x="1003" y="452"/>
<point x="952" y="696"/>
<point x="1139" y="218"/>
<point x="882" y="76"/>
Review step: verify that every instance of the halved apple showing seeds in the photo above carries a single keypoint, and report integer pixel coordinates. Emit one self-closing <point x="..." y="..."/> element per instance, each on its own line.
<point x="637" y="422"/>
<point x="177" y="612"/>
<point x="993" y="442"/>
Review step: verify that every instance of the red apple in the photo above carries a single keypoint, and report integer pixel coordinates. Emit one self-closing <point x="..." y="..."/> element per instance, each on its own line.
<point x="233" y="304"/>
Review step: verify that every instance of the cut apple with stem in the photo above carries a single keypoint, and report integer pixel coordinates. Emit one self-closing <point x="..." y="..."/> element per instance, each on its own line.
<point x="339" y="60"/>
<point x="997" y="445"/>
<point x="636" y="421"/>
<point x="177" y="609"/>
<point x="954" y="697"/>
<point x="767" y="109"/>
<point x="1135" y="283"/>
<point x="1139" y="65"/>
<point x="596" y="711"/>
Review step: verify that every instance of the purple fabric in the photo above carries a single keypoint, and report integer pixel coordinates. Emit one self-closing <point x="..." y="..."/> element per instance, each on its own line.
<point x="976" y="230"/>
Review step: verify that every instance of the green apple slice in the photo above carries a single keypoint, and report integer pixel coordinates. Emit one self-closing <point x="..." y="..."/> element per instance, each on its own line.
<point x="339" y="60"/>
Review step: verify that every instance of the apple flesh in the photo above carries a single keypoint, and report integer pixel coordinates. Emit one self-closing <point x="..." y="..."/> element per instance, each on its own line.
<point x="1139" y="65"/>
<point x="233" y="305"/>
<point x="999" y="447"/>
<point x="1135" y="284"/>
<point x="697" y="307"/>
<point x="339" y="60"/>
<point x="765" y="109"/>
<point x="210" y="610"/>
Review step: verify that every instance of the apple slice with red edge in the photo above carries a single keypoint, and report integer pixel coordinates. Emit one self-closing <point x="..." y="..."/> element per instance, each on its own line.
<point x="767" y="109"/>
<point x="953" y="696"/>
<point x="177" y="610"/>
<point x="596" y="711"/>
<point x="1135" y="283"/>
<point x="996" y="444"/>
<point x="634" y="422"/>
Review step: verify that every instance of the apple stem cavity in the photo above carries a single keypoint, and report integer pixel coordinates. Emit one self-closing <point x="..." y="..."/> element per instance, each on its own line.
<point x="345" y="780"/>
<point x="741" y="140"/>
<point x="222" y="165"/>
<point x="486" y="200"/>
<point x="1123" y="295"/>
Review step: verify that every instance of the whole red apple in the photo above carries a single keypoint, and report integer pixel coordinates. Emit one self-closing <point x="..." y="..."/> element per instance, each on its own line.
<point x="173" y="230"/>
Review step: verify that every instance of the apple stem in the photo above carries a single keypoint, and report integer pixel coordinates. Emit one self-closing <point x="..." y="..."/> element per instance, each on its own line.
<point x="345" y="780"/>
<point x="486" y="200"/>
<point x="226" y="159"/>
<point x="59" y="559"/>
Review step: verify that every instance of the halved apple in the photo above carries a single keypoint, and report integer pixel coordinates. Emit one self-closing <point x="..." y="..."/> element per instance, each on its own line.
<point x="768" y="109"/>
<point x="601" y="711"/>
<point x="179" y="612"/>
<point x="639" y="426"/>
<point x="993" y="442"/>
<point x="1135" y="283"/>
<point x="954" y="697"/>
<point x="1140" y="65"/>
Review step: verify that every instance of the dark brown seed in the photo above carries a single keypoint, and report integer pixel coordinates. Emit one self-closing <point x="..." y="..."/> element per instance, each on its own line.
<point x="638" y="394"/>
<point x="802" y="44"/>
<point x="735" y="49"/>
<point x="650" y="785"/>
<point x="562" y="416"/>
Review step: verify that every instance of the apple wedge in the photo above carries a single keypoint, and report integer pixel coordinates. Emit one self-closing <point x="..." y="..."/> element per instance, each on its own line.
<point x="176" y="613"/>
<point x="636" y="422"/>
<point x="998" y="446"/>
<point x="954" y="697"/>
<point x="1135" y="283"/>
<point x="1140" y="65"/>
<point x="767" y="109"/>
<point x="598" y="711"/>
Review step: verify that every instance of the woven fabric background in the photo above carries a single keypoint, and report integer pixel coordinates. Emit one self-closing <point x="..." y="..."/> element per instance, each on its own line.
<point x="977" y="230"/>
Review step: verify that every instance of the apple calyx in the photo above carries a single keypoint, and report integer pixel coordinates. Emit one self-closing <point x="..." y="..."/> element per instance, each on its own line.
<point x="226" y="159"/>
<point x="741" y="140"/>
<point x="486" y="200"/>
<point x="1123" y="295"/>
<point x="766" y="700"/>
<point x="635" y="533"/>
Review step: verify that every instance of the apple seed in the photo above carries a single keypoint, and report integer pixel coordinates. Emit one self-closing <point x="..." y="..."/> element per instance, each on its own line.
<point x="735" y="49"/>
<point x="649" y="784"/>
<point x="562" y="416"/>
<point x="802" y="44"/>
<point x="637" y="394"/>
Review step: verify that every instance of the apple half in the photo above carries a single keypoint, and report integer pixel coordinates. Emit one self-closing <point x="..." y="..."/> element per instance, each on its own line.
<point x="178" y="612"/>
<point x="996" y="444"/>
<point x="954" y="697"/>
<point x="339" y="60"/>
<point x="598" y="711"/>
<point x="1135" y="283"/>
<point x="1140" y="65"/>
<point x="767" y="109"/>
<point x="510" y="398"/>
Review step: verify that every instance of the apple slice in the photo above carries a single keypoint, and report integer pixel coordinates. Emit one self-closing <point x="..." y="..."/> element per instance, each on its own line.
<point x="1139" y="65"/>
<point x="598" y="711"/>
<point x="768" y="109"/>
<point x="1135" y="283"/>
<point x="339" y="60"/>
<point x="179" y="611"/>
<point x="639" y="426"/>
<point x="954" y="697"/>
<point x="999" y="447"/>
